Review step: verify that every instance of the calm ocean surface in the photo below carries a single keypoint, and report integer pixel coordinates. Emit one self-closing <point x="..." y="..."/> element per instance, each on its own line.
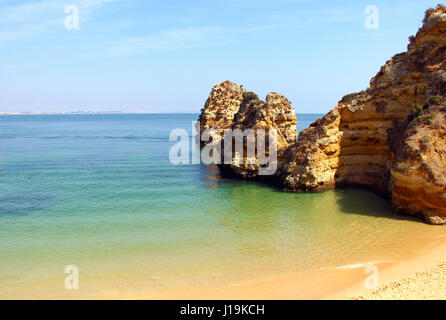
<point x="99" y="192"/>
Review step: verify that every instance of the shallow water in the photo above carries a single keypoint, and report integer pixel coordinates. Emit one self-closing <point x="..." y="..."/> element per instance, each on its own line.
<point x="99" y="192"/>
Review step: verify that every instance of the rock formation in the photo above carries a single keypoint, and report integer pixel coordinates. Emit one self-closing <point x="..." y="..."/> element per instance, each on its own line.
<point x="221" y="106"/>
<point x="390" y="138"/>
<point x="276" y="112"/>
<point x="380" y="139"/>
<point x="418" y="177"/>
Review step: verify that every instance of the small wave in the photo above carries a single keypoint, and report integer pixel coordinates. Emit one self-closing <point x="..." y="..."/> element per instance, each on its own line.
<point x="138" y="138"/>
<point x="54" y="137"/>
<point x="360" y="265"/>
<point x="128" y="137"/>
<point x="23" y="203"/>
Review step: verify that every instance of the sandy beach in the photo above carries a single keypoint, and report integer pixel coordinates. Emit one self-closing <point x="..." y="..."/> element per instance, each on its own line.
<point x="427" y="285"/>
<point x="422" y="278"/>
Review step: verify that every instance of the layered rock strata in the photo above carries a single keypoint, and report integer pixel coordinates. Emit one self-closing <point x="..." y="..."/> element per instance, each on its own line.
<point x="374" y="139"/>
<point x="418" y="177"/>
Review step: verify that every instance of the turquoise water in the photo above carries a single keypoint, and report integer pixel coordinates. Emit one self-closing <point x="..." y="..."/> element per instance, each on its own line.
<point x="99" y="192"/>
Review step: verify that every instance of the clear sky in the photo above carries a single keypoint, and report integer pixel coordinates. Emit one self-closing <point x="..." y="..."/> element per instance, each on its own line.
<point x="165" y="56"/>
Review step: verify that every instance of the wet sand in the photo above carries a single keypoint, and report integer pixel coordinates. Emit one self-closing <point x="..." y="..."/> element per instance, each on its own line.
<point x="421" y="277"/>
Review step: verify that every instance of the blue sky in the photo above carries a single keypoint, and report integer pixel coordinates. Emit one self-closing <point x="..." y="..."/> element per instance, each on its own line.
<point x="165" y="56"/>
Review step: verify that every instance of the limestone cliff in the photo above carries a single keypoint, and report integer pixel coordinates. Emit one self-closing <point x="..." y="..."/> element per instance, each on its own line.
<point x="418" y="177"/>
<point x="374" y="139"/>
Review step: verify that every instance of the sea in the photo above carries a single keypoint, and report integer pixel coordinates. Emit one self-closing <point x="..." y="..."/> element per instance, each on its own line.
<point x="95" y="198"/>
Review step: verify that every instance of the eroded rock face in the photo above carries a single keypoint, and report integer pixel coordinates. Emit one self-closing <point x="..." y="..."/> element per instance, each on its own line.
<point x="418" y="177"/>
<point x="230" y="107"/>
<point x="221" y="106"/>
<point x="275" y="113"/>
<point x="370" y="139"/>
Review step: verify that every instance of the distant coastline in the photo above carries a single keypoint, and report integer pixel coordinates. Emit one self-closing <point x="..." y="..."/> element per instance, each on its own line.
<point x="110" y="112"/>
<point x="75" y="112"/>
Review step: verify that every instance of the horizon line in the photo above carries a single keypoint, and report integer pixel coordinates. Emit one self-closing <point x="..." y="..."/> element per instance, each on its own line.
<point x="55" y="113"/>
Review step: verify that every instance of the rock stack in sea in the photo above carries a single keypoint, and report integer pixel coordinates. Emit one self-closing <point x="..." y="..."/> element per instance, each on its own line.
<point x="390" y="138"/>
<point x="229" y="106"/>
<point x="220" y="108"/>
